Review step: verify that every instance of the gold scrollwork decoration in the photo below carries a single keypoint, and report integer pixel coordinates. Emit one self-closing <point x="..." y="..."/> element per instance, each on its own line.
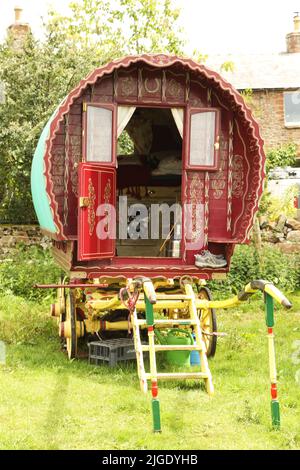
<point x="218" y="184"/>
<point x="91" y="207"/>
<point x="127" y="86"/>
<point x="107" y="197"/>
<point x="107" y="192"/>
<point x="237" y="176"/>
<point x="174" y="88"/>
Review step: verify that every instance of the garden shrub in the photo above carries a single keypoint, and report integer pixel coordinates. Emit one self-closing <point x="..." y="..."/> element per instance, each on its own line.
<point x="26" y="267"/>
<point x="281" y="156"/>
<point x="270" y="264"/>
<point x="24" y="321"/>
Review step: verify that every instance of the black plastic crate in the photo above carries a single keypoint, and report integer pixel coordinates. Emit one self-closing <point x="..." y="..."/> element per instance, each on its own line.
<point x="111" y="351"/>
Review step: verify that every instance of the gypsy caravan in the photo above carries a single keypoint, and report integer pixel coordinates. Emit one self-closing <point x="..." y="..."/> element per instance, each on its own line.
<point x="145" y="178"/>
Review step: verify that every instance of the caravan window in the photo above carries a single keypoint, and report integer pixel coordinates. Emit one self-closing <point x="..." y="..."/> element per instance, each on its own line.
<point x="204" y="139"/>
<point x="99" y="125"/>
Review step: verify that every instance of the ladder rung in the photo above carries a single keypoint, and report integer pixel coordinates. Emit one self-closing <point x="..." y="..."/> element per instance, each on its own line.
<point x="169" y="322"/>
<point x="173" y="347"/>
<point x="178" y="375"/>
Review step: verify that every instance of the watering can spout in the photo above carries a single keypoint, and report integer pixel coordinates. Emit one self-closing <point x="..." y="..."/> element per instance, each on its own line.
<point x="160" y="337"/>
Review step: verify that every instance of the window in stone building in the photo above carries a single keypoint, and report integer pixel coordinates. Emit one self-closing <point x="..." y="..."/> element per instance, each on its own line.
<point x="292" y="108"/>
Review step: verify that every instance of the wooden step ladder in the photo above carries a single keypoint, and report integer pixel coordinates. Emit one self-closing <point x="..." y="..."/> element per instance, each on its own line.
<point x="204" y="373"/>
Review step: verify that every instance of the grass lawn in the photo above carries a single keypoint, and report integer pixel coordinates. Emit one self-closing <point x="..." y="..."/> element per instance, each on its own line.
<point x="47" y="402"/>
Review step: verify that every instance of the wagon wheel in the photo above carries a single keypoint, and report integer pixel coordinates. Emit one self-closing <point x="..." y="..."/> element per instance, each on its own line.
<point x="71" y="342"/>
<point x="61" y="302"/>
<point x="61" y="299"/>
<point x="208" y="322"/>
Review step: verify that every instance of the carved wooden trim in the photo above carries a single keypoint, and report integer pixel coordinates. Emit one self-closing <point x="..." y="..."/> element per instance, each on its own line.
<point x="229" y="188"/>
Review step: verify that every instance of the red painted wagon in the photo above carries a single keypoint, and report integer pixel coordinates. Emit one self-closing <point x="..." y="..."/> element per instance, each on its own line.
<point x="145" y="178"/>
<point x="191" y="141"/>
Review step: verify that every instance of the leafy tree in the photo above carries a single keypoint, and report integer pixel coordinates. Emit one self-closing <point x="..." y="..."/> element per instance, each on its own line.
<point x="281" y="156"/>
<point x="40" y="74"/>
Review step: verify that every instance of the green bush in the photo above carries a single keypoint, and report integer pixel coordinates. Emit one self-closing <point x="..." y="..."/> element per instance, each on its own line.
<point x="270" y="264"/>
<point x="24" y="321"/>
<point x="283" y="155"/>
<point x="26" y="267"/>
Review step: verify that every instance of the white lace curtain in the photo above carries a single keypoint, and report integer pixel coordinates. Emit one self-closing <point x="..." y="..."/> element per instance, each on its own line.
<point x="124" y="115"/>
<point x="178" y="118"/>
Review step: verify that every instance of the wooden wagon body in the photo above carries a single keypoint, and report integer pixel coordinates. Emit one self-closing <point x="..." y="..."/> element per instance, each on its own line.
<point x="173" y="108"/>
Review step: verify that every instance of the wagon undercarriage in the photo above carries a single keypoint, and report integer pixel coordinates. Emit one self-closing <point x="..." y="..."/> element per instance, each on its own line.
<point x="183" y="304"/>
<point x="86" y="310"/>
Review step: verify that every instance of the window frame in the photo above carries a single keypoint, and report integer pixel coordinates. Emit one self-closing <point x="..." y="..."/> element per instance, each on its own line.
<point x="188" y="127"/>
<point x="112" y="108"/>
<point x="288" y="124"/>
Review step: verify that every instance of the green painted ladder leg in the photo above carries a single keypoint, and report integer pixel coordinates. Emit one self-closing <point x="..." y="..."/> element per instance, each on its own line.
<point x="156" y="415"/>
<point x="153" y="369"/>
<point x="275" y="412"/>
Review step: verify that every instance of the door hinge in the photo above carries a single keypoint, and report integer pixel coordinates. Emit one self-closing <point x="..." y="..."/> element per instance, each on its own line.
<point x="84" y="107"/>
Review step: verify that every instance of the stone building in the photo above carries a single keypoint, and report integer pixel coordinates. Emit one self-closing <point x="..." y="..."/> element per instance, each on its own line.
<point x="19" y="29"/>
<point x="272" y="85"/>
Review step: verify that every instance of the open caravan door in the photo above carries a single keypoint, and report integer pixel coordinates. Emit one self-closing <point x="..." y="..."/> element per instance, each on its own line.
<point x="97" y="184"/>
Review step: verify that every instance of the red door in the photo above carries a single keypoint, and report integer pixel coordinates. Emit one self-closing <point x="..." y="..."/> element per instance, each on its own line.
<point x="97" y="223"/>
<point x="97" y="183"/>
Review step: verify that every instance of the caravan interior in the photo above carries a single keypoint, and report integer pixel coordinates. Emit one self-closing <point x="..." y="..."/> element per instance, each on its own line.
<point x="149" y="172"/>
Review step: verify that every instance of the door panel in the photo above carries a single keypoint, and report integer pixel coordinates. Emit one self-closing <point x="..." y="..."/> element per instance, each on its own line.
<point x="96" y="212"/>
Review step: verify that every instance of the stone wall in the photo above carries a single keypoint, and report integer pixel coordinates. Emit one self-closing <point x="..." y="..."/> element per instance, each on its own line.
<point x="268" y="109"/>
<point x="12" y="235"/>
<point x="284" y="232"/>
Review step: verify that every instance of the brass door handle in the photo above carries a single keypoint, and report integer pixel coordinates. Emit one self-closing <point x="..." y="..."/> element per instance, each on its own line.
<point x="217" y="143"/>
<point x="84" y="202"/>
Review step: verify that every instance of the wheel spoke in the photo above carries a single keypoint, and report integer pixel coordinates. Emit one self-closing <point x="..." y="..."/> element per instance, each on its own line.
<point x="208" y="323"/>
<point x="71" y="317"/>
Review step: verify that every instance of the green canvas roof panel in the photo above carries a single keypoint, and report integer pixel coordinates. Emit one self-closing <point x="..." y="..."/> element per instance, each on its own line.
<point x="38" y="183"/>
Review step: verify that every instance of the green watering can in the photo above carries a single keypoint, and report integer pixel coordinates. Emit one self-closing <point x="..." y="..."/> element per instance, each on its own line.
<point x="176" y="336"/>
